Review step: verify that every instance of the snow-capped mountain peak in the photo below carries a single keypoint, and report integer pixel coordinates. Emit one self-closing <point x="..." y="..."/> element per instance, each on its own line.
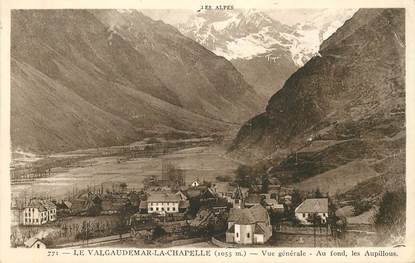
<point x="248" y="33"/>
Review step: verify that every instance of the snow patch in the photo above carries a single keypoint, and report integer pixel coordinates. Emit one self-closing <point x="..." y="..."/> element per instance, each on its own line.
<point x="229" y="38"/>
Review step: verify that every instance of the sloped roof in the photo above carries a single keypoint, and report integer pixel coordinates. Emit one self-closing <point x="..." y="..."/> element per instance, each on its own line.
<point x="260" y="228"/>
<point x="114" y="204"/>
<point x="224" y="187"/>
<point x="194" y="192"/>
<point x="313" y="205"/>
<point x="143" y="205"/>
<point x="237" y="193"/>
<point x="182" y="195"/>
<point x="274" y="187"/>
<point x="36" y="203"/>
<point x="184" y="204"/>
<point x="242" y="217"/>
<point x="68" y="204"/>
<point x="248" y="216"/>
<point x="78" y="204"/>
<point x="220" y="202"/>
<point x="31" y="241"/>
<point x="231" y="229"/>
<point x="196" y="181"/>
<point x="270" y="201"/>
<point x="163" y="197"/>
<point x="253" y="199"/>
<point x="260" y="213"/>
<point x="274" y="181"/>
<point x="245" y="190"/>
<point x="48" y="204"/>
<point x="210" y="192"/>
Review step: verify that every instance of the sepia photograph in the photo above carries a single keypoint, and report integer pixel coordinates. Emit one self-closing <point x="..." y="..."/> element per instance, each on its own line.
<point x="215" y="127"/>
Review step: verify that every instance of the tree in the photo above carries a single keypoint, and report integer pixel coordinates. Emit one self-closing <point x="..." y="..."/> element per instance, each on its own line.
<point x="123" y="186"/>
<point x="122" y="224"/>
<point x="297" y="198"/>
<point x="194" y="205"/>
<point x="391" y="217"/>
<point x="276" y="217"/>
<point x="361" y="206"/>
<point x="264" y="183"/>
<point x="84" y="232"/>
<point x="316" y="221"/>
<point x="317" y="193"/>
<point x="244" y="176"/>
<point x="157" y="232"/>
<point x="206" y="183"/>
<point x="173" y="175"/>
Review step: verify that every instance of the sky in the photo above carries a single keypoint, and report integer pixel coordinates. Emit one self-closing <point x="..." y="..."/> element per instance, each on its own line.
<point x="285" y="16"/>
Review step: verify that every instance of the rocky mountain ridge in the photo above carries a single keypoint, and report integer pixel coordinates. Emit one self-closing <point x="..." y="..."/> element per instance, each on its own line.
<point x="342" y="113"/>
<point x="88" y="78"/>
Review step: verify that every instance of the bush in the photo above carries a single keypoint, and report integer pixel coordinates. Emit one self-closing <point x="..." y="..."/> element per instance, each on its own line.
<point x="158" y="231"/>
<point x="244" y="176"/>
<point x="225" y="178"/>
<point x="361" y="206"/>
<point x="390" y="221"/>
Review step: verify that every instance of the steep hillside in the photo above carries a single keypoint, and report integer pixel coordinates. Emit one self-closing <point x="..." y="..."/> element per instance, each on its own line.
<point x="346" y="105"/>
<point x="83" y="78"/>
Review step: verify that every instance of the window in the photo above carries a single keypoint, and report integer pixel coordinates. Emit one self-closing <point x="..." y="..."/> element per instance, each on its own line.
<point x="157" y="209"/>
<point x="168" y="208"/>
<point x="303" y="214"/>
<point x="174" y="208"/>
<point x="38" y="245"/>
<point x="151" y="209"/>
<point x="248" y="235"/>
<point x="162" y="209"/>
<point x="237" y="234"/>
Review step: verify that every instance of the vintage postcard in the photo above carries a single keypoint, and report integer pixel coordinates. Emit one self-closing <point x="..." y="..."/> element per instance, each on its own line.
<point x="232" y="131"/>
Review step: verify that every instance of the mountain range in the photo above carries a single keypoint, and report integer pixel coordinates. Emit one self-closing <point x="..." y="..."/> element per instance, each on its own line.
<point x="338" y="123"/>
<point x="89" y="78"/>
<point x="265" y="50"/>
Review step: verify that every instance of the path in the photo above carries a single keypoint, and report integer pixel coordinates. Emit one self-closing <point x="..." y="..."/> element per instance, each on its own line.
<point x="94" y="241"/>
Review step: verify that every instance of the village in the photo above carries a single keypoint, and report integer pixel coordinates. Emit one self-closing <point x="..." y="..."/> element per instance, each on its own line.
<point x="166" y="212"/>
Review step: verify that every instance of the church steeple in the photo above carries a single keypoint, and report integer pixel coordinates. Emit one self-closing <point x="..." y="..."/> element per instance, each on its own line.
<point x="238" y="198"/>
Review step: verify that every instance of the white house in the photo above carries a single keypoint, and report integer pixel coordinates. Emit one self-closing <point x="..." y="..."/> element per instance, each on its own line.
<point x="195" y="183"/>
<point x="51" y="209"/>
<point x="34" y="243"/>
<point x="224" y="190"/>
<point x="274" y="205"/>
<point x="248" y="225"/>
<point x="315" y="206"/>
<point x="39" y="212"/>
<point x="162" y="202"/>
<point x="35" y="213"/>
<point x="231" y="192"/>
